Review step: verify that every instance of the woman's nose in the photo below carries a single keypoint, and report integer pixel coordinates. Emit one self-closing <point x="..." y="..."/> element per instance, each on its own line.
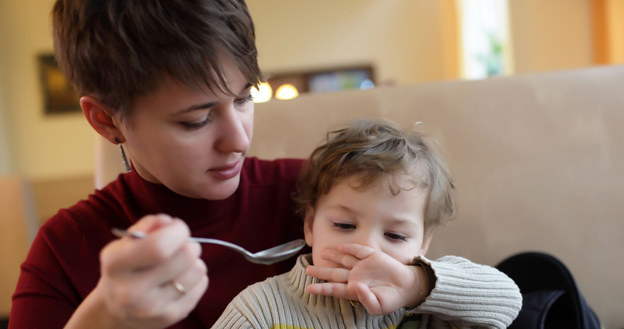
<point x="234" y="135"/>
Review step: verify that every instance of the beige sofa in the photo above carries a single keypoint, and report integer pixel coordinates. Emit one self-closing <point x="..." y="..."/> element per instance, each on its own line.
<point x="538" y="161"/>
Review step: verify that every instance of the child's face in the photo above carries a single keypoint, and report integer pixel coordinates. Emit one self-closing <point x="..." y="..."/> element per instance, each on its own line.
<point x="371" y="216"/>
<point x="192" y="140"/>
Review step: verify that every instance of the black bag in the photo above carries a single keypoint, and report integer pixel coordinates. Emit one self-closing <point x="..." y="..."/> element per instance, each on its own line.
<point x="551" y="299"/>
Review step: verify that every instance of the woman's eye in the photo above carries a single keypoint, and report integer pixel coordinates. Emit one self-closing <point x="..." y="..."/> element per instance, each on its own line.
<point x="344" y="226"/>
<point x="242" y="101"/>
<point x="191" y="125"/>
<point x="395" y="236"/>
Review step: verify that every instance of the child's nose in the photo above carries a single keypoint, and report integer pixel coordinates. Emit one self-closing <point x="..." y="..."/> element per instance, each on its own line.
<point x="367" y="239"/>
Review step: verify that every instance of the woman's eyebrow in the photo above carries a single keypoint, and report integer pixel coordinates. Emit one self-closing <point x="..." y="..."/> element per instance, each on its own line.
<point x="196" y="107"/>
<point x="247" y="86"/>
<point x="210" y="104"/>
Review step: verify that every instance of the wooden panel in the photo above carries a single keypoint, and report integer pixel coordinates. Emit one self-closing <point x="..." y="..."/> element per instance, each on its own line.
<point x="601" y="32"/>
<point x="24" y="207"/>
<point x="16" y="230"/>
<point x="54" y="194"/>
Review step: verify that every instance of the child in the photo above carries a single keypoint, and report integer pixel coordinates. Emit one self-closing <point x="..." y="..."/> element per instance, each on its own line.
<point x="372" y="197"/>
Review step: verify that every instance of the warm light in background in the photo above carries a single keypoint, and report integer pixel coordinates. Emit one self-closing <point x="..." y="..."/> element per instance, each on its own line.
<point x="286" y="91"/>
<point x="263" y="93"/>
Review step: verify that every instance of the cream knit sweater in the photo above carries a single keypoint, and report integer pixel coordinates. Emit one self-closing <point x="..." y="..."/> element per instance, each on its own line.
<point x="466" y="295"/>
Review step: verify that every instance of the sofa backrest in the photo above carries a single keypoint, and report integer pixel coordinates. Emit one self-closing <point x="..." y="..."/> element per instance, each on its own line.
<point x="538" y="161"/>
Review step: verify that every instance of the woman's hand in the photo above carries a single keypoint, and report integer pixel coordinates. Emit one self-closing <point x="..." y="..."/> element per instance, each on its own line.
<point x="381" y="283"/>
<point x="137" y="287"/>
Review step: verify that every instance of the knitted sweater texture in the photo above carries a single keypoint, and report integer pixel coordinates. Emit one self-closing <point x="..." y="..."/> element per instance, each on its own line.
<point x="466" y="295"/>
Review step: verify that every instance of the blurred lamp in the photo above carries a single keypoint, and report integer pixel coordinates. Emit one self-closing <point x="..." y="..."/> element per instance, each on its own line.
<point x="263" y="93"/>
<point x="286" y="91"/>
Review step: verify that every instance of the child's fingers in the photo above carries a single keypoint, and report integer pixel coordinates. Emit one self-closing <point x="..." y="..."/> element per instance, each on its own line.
<point x="368" y="299"/>
<point x="340" y="258"/>
<point x="338" y="290"/>
<point x="330" y="274"/>
<point x="357" y="250"/>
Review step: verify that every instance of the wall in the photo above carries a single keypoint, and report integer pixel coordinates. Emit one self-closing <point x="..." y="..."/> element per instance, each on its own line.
<point x="5" y="147"/>
<point x="43" y="146"/>
<point x="550" y="34"/>
<point x="402" y="38"/>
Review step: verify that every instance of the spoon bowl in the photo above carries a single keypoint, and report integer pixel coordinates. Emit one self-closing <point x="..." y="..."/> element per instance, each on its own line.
<point x="266" y="257"/>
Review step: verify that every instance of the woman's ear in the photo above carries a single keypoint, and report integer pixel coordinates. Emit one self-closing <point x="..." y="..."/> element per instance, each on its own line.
<point x="101" y="119"/>
<point x="308" y="222"/>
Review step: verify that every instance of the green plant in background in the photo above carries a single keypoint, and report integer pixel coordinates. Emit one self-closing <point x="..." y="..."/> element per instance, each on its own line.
<point x="493" y="59"/>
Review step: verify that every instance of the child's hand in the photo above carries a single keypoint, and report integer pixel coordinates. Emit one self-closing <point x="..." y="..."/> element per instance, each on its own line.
<point x="381" y="283"/>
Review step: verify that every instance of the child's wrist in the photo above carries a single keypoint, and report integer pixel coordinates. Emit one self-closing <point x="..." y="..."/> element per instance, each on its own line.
<point x="425" y="282"/>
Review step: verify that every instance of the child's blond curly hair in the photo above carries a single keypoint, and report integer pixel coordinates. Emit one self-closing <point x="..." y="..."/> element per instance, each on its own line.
<point x="374" y="149"/>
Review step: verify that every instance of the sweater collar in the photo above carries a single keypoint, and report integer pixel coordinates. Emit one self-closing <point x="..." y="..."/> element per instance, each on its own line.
<point x="152" y="198"/>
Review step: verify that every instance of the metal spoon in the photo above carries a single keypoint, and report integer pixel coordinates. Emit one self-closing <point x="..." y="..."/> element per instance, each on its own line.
<point x="267" y="257"/>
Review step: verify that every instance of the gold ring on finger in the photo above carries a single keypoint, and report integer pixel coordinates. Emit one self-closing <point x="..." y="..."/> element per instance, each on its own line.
<point x="179" y="287"/>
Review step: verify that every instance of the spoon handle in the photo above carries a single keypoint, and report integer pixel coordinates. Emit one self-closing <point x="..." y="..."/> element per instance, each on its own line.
<point x="222" y="243"/>
<point x="121" y="233"/>
<point x="139" y="235"/>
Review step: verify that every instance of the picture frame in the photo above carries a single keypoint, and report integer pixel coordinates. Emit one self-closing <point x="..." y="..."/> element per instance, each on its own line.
<point x="326" y="80"/>
<point x="58" y="95"/>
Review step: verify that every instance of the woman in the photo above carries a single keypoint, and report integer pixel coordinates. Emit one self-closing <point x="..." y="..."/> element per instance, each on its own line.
<point x="170" y="82"/>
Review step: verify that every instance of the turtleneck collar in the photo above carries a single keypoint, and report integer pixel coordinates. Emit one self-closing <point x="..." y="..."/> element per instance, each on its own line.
<point x="152" y="198"/>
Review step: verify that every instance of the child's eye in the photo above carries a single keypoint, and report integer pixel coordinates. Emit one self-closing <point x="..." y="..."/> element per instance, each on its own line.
<point x="242" y="101"/>
<point x="395" y="236"/>
<point x="344" y="226"/>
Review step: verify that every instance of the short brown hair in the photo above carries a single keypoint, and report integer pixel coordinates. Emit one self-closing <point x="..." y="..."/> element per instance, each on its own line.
<point x="373" y="149"/>
<point x="117" y="50"/>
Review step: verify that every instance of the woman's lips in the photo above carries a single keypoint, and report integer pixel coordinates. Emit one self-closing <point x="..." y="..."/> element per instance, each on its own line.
<point x="227" y="171"/>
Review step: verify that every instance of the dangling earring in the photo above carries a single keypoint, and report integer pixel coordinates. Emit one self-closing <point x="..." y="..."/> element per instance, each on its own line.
<point x="123" y="156"/>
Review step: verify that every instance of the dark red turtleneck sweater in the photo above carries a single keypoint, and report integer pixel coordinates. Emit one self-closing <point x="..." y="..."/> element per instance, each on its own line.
<point x="62" y="266"/>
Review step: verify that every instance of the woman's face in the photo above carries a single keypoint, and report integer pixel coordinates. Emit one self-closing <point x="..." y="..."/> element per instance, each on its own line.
<point x="192" y="141"/>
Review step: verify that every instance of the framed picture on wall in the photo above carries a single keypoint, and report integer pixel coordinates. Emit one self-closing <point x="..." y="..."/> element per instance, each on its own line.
<point x="327" y="80"/>
<point x="58" y="94"/>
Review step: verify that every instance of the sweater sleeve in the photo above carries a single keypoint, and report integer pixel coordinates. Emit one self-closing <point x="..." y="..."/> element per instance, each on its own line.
<point x="470" y="295"/>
